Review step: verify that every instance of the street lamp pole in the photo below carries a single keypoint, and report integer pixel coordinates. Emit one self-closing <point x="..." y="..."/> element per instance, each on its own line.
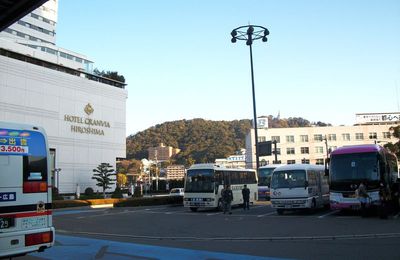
<point x="250" y="33"/>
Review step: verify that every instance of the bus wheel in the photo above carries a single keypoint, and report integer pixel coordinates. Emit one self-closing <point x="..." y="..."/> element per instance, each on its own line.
<point x="193" y="209"/>
<point x="279" y="211"/>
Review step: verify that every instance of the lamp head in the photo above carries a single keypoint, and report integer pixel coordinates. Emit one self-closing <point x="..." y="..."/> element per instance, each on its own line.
<point x="233" y="40"/>
<point x="233" y="33"/>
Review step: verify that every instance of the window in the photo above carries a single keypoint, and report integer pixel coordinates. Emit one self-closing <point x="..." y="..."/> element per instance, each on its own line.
<point x="332" y="148"/>
<point x="359" y="136"/>
<point x="346" y="137"/>
<point x="305" y="150"/>
<point x="318" y="137"/>
<point x="262" y="139"/>
<point x="278" y="151"/>
<point x="304" y="138"/>
<point x="386" y="135"/>
<point x="319" y="161"/>
<point x="290" y="139"/>
<point x="319" y="149"/>
<point x="290" y="150"/>
<point x="332" y="137"/>
<point x="305" y="161"/>
<point x="373" y="135"/>
<point x="276" y="138"/>
<point x="291" y="161"/>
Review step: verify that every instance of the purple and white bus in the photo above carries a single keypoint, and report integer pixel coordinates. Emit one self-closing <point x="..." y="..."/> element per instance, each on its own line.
<point x="369" y="163"/>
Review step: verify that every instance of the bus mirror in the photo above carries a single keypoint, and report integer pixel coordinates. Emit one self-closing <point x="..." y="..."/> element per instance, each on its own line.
<point x="216" y="188"/>
<point x="305" y="184"/>
<point x="326" y="172"/>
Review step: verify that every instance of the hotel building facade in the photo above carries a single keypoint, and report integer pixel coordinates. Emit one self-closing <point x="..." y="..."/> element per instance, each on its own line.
<point x="312" y="145"/>
<point x="46" y="85"/>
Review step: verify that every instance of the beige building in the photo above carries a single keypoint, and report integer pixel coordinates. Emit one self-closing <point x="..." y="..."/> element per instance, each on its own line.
<point x="162" y="152"/>
<point x="175" y="172"/>
<point x="312" y="144"/>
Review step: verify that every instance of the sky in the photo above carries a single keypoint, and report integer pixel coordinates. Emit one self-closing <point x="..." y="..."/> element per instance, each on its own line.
<point x="324" y="60"/>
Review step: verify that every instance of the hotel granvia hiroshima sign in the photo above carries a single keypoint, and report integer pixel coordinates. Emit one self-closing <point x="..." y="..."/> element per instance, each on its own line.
<point x="86" y="125"/>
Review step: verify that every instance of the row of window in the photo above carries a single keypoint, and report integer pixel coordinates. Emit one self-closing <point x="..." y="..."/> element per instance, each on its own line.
<point x="304" y="150"/>
<point x="36" y="28"/>
<point x="25" y="36"/>
<point x="41" y="18"/>
<point x="329" y="137"/>
<point x="302" y="161"/>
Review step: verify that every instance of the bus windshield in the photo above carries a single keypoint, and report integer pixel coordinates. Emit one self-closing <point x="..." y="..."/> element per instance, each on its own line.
<point x="199" y="180"/>
<point x="357" y="166"/>
<point x="264" y="176"/>
<point x="288" y="179"/>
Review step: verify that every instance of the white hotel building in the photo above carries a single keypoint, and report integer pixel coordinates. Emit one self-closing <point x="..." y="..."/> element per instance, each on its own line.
<point x="43" y="84"/>
<point x="312" y="144"/>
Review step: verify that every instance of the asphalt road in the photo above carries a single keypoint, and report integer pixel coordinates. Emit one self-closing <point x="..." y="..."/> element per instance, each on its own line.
<point x="174" y="232"/>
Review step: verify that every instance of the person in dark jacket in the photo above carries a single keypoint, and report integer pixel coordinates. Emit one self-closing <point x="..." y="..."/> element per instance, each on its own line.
<point x="227" y="197"/>
<point x="246" y="197"/>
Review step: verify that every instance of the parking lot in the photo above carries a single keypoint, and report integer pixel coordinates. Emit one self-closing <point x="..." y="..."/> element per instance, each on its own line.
<point x="207" y="234"/>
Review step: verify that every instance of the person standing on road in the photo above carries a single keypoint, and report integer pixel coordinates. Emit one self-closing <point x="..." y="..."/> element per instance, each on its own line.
<point x="227" y="197"/>
<point x="246" y="197"/>
<point x="363" y="198"/>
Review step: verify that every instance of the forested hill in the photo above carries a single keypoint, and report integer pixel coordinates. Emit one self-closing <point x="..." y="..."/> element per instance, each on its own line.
<point x="200" y="140"/>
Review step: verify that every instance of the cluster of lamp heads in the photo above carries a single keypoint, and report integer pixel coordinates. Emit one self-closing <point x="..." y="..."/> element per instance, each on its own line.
<point x="249" y="33"/>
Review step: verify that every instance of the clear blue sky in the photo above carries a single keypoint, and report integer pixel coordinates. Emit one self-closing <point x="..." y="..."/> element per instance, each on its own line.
<point x="324" y="60"/>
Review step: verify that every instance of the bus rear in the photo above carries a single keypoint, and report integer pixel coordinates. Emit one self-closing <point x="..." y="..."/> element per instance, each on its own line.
<point x="25" y="190"/>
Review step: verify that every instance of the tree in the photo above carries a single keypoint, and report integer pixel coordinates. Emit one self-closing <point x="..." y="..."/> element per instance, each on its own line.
<point x="104" y="174"/>
<point x="395" y="148"/>
<point x="110" y="74"/>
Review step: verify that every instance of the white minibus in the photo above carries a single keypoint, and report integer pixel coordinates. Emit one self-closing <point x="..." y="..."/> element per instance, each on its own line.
<point x="25" y="190"/>
<point x="204" y="182"/>
<point x="299" y="186"/>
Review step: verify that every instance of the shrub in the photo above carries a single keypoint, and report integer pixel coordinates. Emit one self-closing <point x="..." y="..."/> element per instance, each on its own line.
<point x="117" y="194"/>
<point x="89" y="191"/>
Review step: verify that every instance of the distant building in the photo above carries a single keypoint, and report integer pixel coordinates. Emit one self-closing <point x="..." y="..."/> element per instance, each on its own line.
<point x="312" y="145"/>
<point x="175" y="172"/>
<point x="162" y="152"/>
<point x="233" y="161"/>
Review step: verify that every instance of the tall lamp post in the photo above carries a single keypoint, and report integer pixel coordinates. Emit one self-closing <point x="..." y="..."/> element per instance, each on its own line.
<point x="250" y="33"/>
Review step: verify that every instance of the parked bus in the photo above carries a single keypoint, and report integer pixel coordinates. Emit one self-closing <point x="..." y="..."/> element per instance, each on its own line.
<point x="204" y="182"/>
<point x="371" y="164"/>
<point x="264" y="180"/>
<point x="25" y="190"/>
<point x="299" y="186"/>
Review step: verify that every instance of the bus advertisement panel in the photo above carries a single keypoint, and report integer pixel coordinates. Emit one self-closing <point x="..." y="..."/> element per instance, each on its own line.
<point x="25" y="190"/>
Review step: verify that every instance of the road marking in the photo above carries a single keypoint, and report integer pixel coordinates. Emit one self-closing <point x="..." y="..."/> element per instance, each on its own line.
<point x="267" y="214"/>
<point x="213" y="214"/>
<point x="398" y="215"/>
<point x="329" y="213"/>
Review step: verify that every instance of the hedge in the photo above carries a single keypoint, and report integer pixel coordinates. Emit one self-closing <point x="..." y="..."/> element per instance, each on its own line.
<point x="130" y="202"/>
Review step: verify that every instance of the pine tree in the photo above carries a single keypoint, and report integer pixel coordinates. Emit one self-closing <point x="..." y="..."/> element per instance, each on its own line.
<point x="104" y="174"/>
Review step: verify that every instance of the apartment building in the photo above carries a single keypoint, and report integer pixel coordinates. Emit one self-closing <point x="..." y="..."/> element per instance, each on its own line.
<point x="313" y="144"/>
<point x="162" y="153"/>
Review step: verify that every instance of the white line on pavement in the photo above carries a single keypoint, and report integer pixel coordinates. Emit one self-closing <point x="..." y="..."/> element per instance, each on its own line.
<point x="329" y="213"/>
